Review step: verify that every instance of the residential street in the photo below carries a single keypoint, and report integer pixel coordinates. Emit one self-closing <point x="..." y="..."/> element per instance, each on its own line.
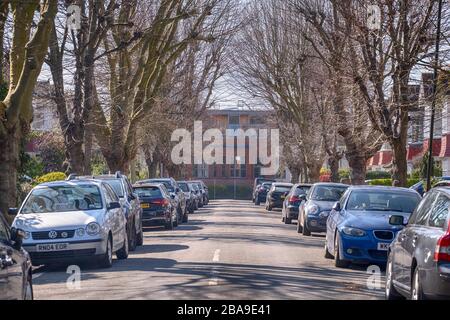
<point x="227" y="250"/>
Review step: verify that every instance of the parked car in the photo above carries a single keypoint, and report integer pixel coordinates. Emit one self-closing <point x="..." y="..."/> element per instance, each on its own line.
<point x="197" y="194"/>
<point x="68" y="221"/>
<point x="418" y="266"/>
<point x="419" y="187"/>
<point x="129" y="201"/>
<point x="189" y="195"/>
<point x="16" y="281"/>
<point x="276" y="194"/>
<point x="358" y="228"/>
<point x="442" y="183"/>
<point x="157" y="205"/>
<point x="291" y="203"/>
<point x="259" y="181"/>
<point x="260" y="194"/>
<point x="313" y="212"/>
<point x="176" y="194"/>
<point x="204" y="191"/>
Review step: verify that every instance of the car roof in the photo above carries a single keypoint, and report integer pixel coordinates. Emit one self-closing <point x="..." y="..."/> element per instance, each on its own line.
<point x="70" y="183"/>
<point x="382" y="188"/>
<point x="282" y="184"/>
<point x="146" y="185"/>
<point x="303" y="185"/>
<point x="443" y="189"/>
<point x="331" y="184"/>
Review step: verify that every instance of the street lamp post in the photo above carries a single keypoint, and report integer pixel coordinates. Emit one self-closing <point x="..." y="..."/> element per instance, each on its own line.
<point x="433" y="103"/>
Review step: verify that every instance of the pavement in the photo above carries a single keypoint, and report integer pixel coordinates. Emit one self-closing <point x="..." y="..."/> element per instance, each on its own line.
<point x="228" y="250"/>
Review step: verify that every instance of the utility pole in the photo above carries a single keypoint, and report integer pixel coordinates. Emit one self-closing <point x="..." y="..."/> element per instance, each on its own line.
<point x="433" y="103"/>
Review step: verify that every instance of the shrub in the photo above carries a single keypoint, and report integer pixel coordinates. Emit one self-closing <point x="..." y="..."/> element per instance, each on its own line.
<point x="227" y="192"/>
<point x="325" y="171"/>
<point x="344" y="173"/>
<point x="388" y="182"/>
<point x="52" y="176"/>
<point x="370" y="175"/>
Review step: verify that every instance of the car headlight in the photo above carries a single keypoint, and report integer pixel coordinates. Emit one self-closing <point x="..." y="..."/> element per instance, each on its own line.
<point x="80" y="232"/>
<point x="355" y="232"/>
<point x="93" y="228"/>
<point x="27" y="235"/>
<point x="312" y="209"/>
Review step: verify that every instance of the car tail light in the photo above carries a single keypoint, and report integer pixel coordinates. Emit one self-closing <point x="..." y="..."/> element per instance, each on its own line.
<point x="442" y="252"/>
<point x="293" y="199"/>
<point x="161" y="202"/>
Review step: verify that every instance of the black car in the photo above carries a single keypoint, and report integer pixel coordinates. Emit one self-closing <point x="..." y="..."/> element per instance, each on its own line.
<point x="261" y="193"/>
<point x="259" y="181"/>
<point x="156" y="205"/>
<point x="418" y="265"/>
<point x="189" y="194"/>
<point x="292" y="202"/>
<point x="176" y="194"/>
<point x="313" y="213"/>
<point x="15" y="265"/>
<point x="276" y="195"/>
<point x="129" y="201"/>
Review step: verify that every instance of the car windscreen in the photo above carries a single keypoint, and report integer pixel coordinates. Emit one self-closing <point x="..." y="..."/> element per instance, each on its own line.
<point x="266" y="185"/>
<point x="117" y="186"/>
<point x="148" y="192"/>
<point x="301" y="190"/>
<point x="328" y="193"/>
<point x="184" y="187"/>
<point x="194" y="186"/>
<point x="63" y="199"/>
<point x="283" y="188"/>
<point x="166" y="183"/>
<point x="382" y="201"/>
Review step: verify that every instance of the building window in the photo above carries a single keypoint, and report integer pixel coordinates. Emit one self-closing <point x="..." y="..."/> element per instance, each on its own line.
<point x="233" y="120"/>
<point x="200" y="171"/>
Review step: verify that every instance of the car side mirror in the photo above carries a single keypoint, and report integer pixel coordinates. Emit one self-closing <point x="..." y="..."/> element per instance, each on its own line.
<point x="131" y="197"/>
<point x="397" y="220"/>
<point x="302" y="197"/>
<point x="13" y="211"/>
<point x="337" y="206"/>
<point x="113" y="205"/>
<point x="17" y="236"/>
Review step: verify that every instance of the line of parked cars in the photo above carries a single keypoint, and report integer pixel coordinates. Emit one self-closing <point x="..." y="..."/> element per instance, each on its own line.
<point x="88" y="218"/>
<point x="388" y="226"/>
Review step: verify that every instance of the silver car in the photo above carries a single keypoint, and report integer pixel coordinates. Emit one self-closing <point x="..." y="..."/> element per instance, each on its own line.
<point x="69" y="221"/>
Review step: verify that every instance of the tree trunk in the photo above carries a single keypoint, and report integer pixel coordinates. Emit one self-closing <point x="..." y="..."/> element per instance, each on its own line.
<point x="9" y="164"/>
<point x="399" y="162"/>
<point x="295" y="172"/>
<point x="357" y="163"/>
<point x="314" y="172"/>
<point x="333" y="163"/>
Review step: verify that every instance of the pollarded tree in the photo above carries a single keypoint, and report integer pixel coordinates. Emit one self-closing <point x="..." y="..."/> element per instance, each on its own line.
<point x="29" y="42"/>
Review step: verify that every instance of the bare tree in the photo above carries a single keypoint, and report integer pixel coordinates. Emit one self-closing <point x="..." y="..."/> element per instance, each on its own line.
<point x="28" y="49"/>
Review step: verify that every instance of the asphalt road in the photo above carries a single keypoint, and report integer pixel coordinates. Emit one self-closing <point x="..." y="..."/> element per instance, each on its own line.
<point x="228" y="250"/>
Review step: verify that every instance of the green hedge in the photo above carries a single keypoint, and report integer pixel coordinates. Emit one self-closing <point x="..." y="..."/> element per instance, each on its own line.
<point x="227" y="192"/>
<point x="388" y="182"/>
<point x="370" y="175"/>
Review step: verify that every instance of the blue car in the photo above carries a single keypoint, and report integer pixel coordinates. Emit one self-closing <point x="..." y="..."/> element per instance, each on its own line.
<point x="358" y="228"/>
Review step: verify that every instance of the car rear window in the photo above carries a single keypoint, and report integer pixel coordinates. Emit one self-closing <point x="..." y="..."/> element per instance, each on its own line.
<point x="301" y="190"/>
<point x="282" y="188"/>
<point x="148" y="192"/>
<point x="166" y="183"/>
<point x="184" y="187"/>
<point x="117" y="186"/>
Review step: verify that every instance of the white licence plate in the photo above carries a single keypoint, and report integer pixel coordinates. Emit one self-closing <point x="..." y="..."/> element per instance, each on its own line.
<point x="383" y="246"/>
<point x="52" y="247"/>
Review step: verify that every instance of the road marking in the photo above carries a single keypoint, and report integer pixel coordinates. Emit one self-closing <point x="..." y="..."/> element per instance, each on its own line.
<point x="216" y="258"/>
<point x="37" y="275"/>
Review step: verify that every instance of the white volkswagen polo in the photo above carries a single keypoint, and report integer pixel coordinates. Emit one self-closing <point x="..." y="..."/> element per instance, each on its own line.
<point x="69" y="221"/>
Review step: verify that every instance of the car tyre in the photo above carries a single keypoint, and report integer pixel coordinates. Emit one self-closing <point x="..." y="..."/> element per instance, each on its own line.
<point x="306" y="232"/>
<point x="257" y="202"/>
<point x="390" y="291"/>
<point x="169" y="225"/>
<point x="28" y="294"/>
<point x="106" y="259"/>
<point x="416" y="287"/>
<point x="132" y="242"/>
<point x="122" y="253"/>
<point x="140" y="236"/>
<point x="338" y="262"/>
<point x="327" y="254"/>
<point x="299" y="227"/>
<point x="185" y="218"/>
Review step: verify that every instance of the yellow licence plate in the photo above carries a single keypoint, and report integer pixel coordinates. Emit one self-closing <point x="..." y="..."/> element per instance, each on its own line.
<point x="145" y="205"/>
<point x="282" y="197"/>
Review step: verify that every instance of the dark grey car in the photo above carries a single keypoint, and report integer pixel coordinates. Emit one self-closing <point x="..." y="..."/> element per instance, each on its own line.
<point x="15" y="265"/>
<point x="418" y="265"/>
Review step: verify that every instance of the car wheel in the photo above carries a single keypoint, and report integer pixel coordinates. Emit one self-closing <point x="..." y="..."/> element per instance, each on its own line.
<point x="390" y="291"/>
<point x="185" y="218"/>
<point x="106" y="259"/>
<point x="287" y="220"/>
<point x="306" y="232"/>
<point x="140" y="236"/>
<point x="257" y="202"/>
<point x="327" y="255"/>
<point x="133" y="239"/>
<point x="299" y="227"/>
<point x="28" y="294"/>
<point x="122" y="253"/>
<point x="338" y="262"/>
<point x="175" y="222"/>
<point x="269" y="207"/>
<point x="169" y="225"/>
<point x="416" y="287"/>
